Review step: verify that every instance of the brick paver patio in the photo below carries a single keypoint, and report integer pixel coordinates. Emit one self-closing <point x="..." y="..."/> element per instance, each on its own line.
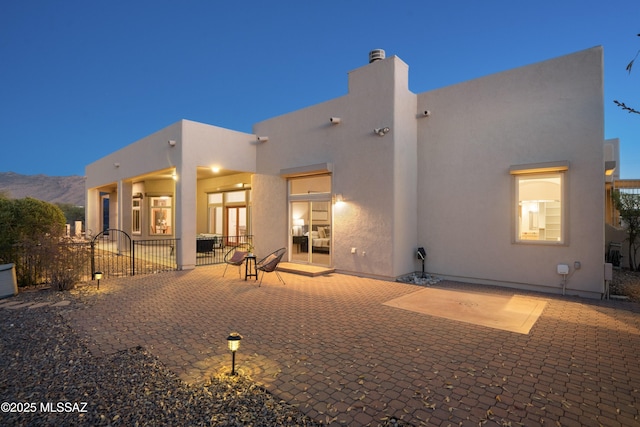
<point x="330" y="346"/>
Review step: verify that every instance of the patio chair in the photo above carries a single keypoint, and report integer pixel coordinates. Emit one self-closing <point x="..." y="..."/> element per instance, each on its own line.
<point x="235" y="256"/>
<point x="269" y="263"/>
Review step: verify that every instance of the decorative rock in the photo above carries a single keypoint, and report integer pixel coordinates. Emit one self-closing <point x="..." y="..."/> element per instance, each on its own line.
<point x="46" y="361"/>
<point x="17" y="306"/>
<point x="39" y="304"/>
<point x="417" y="279"/>
<point x="61" y="303"/>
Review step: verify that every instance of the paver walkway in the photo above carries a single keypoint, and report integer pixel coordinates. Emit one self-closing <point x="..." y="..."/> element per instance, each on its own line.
<point x="330" y="346"/>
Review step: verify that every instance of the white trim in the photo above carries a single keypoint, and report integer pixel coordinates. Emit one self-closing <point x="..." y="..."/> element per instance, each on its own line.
<point x="316" y="169"/>
<point x="560" y="166"/>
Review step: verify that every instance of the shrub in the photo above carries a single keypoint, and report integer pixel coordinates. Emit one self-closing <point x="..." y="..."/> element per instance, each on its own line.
<point x="30" y="233"/>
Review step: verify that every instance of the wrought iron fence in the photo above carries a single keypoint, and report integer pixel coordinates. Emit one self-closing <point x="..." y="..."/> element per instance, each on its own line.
<point x="113" y="254"/>
<point x="155" y="256"/>
<point x="37" y="264"/>
<point x="212" y="249"/>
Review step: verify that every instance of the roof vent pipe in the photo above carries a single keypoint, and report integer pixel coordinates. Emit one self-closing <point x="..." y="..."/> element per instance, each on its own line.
<point x="376" y="55"/>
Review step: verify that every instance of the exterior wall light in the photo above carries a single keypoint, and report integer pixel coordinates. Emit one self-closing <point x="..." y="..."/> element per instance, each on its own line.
<point x="335" y="120"/>
<point x="339" y="199"/>
<point x="117" y="165"/>
<point x="233" y="341"/>
<point x="262" y="138"/>
<point x="98" y="275"/>
<point x="172" y="142"/>
<point x="382" y="131"/>
<point x="609" y="167"/>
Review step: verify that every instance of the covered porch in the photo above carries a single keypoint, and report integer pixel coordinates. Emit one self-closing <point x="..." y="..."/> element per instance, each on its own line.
<point x="184" y="182"/>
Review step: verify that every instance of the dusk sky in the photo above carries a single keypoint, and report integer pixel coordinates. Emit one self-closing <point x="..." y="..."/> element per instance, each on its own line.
<point x="81" y="79"/>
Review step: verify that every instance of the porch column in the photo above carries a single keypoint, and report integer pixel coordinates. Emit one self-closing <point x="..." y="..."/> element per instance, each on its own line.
<point x="125" y="193"/>
<point x="92" y="212"/>
<point x="114" y="209"/>
<point x="123" y="209"/>
<point x="185" y="217"/>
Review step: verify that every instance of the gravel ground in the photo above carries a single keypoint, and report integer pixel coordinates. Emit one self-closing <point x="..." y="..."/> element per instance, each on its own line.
<point x="49" y="378"/>
<point x="48" y="370"/>
<point x="626" y="283"/>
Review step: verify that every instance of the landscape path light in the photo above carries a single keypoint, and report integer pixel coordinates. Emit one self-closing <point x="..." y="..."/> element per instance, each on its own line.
<point x="98" y="275"/>
<point x="233" y="341"/>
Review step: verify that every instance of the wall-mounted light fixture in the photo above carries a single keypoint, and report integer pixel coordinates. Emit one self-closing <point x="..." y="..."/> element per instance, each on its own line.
<point x="215" y="169"/>
<point x="262" y="138"/>
<point x="425" y="113"/>
<point x="233" y="341"/>
<point x="172" y="142"/>
<point x="382" y="131"/>
<point x="335" y="120"/>
<point x="339" y="199"/>
<point x="609" y="167"/>
<point x="117" y="165"/>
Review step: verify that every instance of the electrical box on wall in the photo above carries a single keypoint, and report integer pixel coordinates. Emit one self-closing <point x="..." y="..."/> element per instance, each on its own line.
<point x="563" y="269"/>
<point x="608" y="271"/>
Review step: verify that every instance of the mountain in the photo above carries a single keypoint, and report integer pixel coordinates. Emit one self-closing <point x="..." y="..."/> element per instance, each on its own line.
<point x="53" y="189"/>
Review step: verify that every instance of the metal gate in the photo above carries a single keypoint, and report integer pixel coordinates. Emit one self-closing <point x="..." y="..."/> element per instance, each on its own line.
<point x="115" y="254"/>
<point x="112" y="254"/>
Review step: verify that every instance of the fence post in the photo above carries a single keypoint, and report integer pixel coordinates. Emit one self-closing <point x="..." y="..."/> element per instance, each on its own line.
<point x="93" y="261"/>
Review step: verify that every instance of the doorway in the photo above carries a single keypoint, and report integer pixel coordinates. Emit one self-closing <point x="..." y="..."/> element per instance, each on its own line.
<point x="310" y="216"/>
<point x="236" y="224"/>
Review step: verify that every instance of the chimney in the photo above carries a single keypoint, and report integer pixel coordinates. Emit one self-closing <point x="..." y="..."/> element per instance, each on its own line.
<point x="376" y="55"/>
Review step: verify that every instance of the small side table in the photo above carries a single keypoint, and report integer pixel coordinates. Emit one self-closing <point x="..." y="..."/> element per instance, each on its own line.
<point x="250" y="269"/>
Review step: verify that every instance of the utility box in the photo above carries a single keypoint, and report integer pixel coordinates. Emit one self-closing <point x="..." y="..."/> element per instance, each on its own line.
<point x="8" y="282"/>
<point x="608" y="271"/>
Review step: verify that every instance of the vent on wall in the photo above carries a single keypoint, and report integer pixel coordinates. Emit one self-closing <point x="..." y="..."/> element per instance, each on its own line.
<point x="376" y="55"/>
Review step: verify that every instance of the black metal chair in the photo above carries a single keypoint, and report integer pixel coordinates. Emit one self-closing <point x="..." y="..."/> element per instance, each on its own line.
<point x="235" y="256"/>
<point x="269" y="264"/>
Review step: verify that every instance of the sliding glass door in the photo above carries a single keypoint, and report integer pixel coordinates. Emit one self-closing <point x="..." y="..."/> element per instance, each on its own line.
<point x="310" y="220"/>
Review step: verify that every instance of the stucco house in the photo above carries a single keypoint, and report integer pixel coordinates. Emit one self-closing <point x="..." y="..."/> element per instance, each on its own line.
<point x="501" y="179"/>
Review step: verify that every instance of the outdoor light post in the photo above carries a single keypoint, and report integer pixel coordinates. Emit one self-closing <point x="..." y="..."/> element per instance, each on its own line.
<point x="233" y="341"/>
<point x="422" y="254"/>
<point x="98" y="275"/>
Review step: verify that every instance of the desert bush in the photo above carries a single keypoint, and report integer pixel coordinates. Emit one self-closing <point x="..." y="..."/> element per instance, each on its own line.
<point x="628" y="205"/>
<point x="30" y="231"/>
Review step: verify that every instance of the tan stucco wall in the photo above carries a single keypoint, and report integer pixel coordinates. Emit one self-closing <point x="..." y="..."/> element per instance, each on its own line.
<point x="405" y="179"/>
<point x="441" y="181"/>
<point x="550" y="111"/>
<point x="269" y="213"/>
<point x="196" y="144"/>
<point x="363" y="165"/>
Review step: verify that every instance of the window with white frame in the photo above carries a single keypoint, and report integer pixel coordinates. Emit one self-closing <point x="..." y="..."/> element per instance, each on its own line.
<point x="161" y="215"/>
<point x="215" y="225"/>
<point x="540" y="204"/>
<point x="135" y="216"/>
